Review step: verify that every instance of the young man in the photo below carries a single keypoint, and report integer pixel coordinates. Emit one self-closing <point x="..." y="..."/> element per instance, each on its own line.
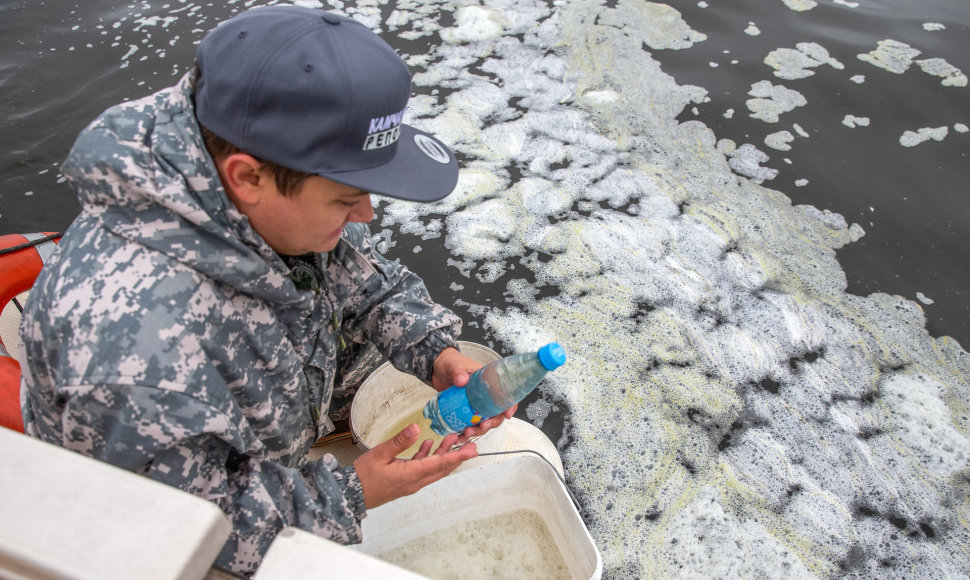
<point x="212" y="309"/>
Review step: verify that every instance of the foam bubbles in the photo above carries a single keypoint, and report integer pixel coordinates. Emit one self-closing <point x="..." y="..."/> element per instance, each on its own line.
<point x="659" y="25"/>
<point x="695" y="541"/>
<point x="924" y="134"/>
<point x="729" y="408"/>
<point x="800" y="5"/>
<point x="779" y="140"/>
<point x="746" y="160"/>
<point x="952" y="76"/>
<point x="796" y="64"/>
<point x="891" y="55"/>
<point x="920" y="420"/>
<point x="851" y="121"/>
<point x="772" y="100"/>
<point x="518" y="544"/>
<point x="475" y="23"/>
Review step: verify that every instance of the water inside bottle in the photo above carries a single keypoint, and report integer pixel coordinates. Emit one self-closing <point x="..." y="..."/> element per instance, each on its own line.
<point x="515" y="545"/>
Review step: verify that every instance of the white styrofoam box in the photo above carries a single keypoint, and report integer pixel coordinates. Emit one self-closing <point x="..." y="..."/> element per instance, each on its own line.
<point x="519" y="483"/>
<point x="67" y="516"/>
<point x="299" y="555"/>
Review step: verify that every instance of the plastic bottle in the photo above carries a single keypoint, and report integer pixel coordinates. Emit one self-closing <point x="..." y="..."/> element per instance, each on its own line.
<point x="492" y="389"/>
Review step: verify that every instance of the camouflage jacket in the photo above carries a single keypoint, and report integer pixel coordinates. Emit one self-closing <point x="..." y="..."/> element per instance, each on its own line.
<point x="166" y="337"/>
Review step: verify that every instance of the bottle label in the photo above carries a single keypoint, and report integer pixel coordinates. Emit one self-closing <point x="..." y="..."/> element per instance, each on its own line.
<point x="455" y="409"/>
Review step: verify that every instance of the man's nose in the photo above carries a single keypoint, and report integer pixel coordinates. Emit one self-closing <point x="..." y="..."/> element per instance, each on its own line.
<point x="363" y="211"/>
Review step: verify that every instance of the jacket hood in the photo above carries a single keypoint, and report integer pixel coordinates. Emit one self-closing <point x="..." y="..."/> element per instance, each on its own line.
<point x="142" y="169"/>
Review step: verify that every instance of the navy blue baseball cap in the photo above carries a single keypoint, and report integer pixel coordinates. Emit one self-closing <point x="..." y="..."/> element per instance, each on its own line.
<point x="319" y="93"/>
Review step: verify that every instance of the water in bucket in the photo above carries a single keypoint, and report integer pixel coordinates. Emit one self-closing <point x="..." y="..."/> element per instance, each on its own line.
<point x="424" y="424"/>
<point x="511" y="545"/>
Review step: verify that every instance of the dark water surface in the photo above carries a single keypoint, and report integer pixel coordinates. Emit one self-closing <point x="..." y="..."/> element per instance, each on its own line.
<point x="62" y="64"/>
<point x="912" y="202"/>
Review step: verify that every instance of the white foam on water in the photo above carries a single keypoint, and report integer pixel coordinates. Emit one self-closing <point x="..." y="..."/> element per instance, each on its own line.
<point x="891" y="55"/>
<point x="800" y="5"/>
<point x="730" y="410"/>
<point x="921" y="421"/>
<point x="746" y="160"/>
<point x="794" y="63"/>
<point x="852" y="121"/>
<point x="771" y="101"/>
<point x="659" y="25"/>
<point x="779" y="140"/>
<point x="755" y="553"/>
<point x="922" y="135"/>
<point x="474" y="23"/>
<point x="952" y="76"/>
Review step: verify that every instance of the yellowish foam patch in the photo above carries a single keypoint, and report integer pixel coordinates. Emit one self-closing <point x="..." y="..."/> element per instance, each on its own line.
<point x="731" y="410"/>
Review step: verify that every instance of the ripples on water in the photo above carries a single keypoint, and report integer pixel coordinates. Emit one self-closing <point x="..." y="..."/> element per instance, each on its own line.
<point x="729" y="409"/>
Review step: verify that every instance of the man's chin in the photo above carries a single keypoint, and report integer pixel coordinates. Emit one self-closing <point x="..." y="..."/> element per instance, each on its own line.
<point x="330" y="244"/>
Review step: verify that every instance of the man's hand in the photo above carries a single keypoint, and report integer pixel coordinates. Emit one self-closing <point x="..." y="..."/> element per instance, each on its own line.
<point x="384" y="477"/>
<point x="453" y="368"/>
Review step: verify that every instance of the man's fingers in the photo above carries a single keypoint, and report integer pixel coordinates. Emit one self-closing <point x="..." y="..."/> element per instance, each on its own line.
<point x="446" y="444"/>
<point x="397" y="444"/>
<point x="434" y="467"/>
<point x="384" y="478"/>
<point x="424" y="450"/>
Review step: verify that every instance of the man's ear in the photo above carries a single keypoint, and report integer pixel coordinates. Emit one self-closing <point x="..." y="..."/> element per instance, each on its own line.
<point x="242" y="177"/>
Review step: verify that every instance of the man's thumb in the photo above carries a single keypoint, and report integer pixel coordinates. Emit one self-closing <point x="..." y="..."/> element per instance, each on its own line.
<point x="397" y="444"/>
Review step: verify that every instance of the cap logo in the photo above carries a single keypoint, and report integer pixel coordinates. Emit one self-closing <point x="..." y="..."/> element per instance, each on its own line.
<point x="383" y="131"/>
<point x="432" y="149"/>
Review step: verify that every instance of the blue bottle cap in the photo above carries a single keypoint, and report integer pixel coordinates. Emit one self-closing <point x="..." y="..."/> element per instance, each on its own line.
<point x="552" y="356"/>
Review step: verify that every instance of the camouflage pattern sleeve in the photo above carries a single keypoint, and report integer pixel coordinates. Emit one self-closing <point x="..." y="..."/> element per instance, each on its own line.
<point x="181" y="441"/>
<point x="260" y="498"/>
<point x="394" y="309"/>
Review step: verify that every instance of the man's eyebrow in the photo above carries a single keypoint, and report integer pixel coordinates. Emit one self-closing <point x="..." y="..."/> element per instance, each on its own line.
<point x="355" y="193"/>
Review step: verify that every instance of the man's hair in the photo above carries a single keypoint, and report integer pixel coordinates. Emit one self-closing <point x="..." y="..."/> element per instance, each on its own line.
<point x="288" y="181"/>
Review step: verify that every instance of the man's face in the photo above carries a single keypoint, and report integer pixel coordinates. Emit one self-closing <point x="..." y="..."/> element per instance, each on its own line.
<point x="312" y="219"/>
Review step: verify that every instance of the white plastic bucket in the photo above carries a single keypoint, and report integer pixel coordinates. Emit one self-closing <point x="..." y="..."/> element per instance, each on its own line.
<point x="518" y="483"/>
<point x="388" y="396"/>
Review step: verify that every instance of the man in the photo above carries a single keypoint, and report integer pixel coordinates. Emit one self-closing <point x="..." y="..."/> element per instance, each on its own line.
<point x="215" y="304"/>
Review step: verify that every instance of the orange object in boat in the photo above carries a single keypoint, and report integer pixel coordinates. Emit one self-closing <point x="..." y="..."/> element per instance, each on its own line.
<point x="21" y="258"/>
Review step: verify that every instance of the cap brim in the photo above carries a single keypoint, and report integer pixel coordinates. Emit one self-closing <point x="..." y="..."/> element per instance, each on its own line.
<point x="423" y="169"/>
